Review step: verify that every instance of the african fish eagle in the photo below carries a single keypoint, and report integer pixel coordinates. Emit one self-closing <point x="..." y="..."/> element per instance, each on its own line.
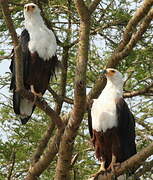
<point x="112" y="125"/>
<point x="40" y="62"/>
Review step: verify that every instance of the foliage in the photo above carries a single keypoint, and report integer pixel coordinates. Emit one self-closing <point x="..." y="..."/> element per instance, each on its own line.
<point x="18" y="143"/>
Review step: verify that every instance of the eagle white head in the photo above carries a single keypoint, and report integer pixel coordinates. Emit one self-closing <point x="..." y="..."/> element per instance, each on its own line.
<point x="42" y="39"/>
<point x="32" y="16"/>
<point x="114" y="78"/>
<point x="113" y="75"/>
<point x="31" y="9"/>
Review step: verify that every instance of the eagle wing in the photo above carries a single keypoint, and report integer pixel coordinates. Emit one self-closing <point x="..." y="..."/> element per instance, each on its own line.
<point x="126" y="127"/>
<point x="90" y="123"/>
<point x="36" y="72"/>
<point x="24" y="39"/>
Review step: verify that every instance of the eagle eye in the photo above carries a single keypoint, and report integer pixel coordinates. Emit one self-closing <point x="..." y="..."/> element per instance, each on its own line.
<point x="112" y="71"/>
<point x="33" y="7"/>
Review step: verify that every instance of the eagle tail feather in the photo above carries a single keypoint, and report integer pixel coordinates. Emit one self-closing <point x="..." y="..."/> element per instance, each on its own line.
<point x="16" y="102"/>
<point x="22" y="107"/>
<point x="55" y="66"/>
<point x="24" y="120"/>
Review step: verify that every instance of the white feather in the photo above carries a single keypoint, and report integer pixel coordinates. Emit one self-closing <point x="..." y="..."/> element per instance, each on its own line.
<point x="103" y="110"/>
<point x="42" y="40"/>
<point x="26" y="107"/>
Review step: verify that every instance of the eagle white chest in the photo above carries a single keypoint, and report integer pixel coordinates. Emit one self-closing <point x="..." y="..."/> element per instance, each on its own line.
<point x="103" y="112"/>
<point x="42" y="40"/>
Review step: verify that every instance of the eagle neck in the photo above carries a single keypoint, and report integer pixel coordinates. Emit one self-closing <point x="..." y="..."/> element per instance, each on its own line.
<point x="33" y="21"/>
<point x="112" y="89"/>
<point x="42" y="40"/>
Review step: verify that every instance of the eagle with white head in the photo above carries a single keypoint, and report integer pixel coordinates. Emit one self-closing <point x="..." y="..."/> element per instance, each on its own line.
<point x="111" y="124"/>
<point x="40" y="61"/>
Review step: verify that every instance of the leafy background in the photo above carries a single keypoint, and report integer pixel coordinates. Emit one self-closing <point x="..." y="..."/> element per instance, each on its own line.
<point x="17" y="142"/>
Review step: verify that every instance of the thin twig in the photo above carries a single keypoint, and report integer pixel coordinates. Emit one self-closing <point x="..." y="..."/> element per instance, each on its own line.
<point x="138" y="92"/>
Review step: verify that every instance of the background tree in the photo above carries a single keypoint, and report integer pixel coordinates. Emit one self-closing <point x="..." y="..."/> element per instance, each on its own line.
<point x="91" y="35"/>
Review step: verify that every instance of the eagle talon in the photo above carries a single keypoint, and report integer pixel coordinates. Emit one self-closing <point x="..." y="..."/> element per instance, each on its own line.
<point x="112" y="166"/>
<point x="99" y="172"/>
<point x="35" y="93"/>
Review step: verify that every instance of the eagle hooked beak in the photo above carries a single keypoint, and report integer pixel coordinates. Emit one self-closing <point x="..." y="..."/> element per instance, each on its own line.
<point x="104" y="71"/>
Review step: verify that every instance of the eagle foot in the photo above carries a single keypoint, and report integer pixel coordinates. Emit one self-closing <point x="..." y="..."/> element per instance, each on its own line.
<point x="101" y="170"/>
<point x="34" y="92"/>
<point x="112" y="166"/>
<point x="37" y="94"/>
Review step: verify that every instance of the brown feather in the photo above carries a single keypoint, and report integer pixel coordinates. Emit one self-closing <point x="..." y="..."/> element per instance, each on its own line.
<point x="107" y="144"/>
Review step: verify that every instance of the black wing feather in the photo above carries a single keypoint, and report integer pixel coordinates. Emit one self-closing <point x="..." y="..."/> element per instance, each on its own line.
<point x="126" y="125"/>
<point x="16" y="96"/>
<point x="24" y="39"/>
<point x="90" y="123"/>
<point x="12" y="69"/>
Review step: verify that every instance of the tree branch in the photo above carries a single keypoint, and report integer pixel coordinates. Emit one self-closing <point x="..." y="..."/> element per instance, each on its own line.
<point x="43" y="143"/>
<point x="63" y="79"/>
<point x="115" y="59"/>
<point x="146" y="167"/>
<point x="131" y="26"/>
<point x="37" y="168"/>
<point x="17" y="47"/>
<point x="13" y="156"/>
<point x="66" y="145"/>
<point x="57" y="98"/>
<point x="54" y="94"/>
<point x="82" y="9"/>
<point x="117" y="56"/>
<point x="68" y="100"/>
<point x="5" y="57"/>
<point x="42" y="104"/>
<point x="64" y="62"/>
<point x="133" y="162"/>
<point x="93" y="5"/>
<point x="52" y="149"/>
<point x="138" y="92"/>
